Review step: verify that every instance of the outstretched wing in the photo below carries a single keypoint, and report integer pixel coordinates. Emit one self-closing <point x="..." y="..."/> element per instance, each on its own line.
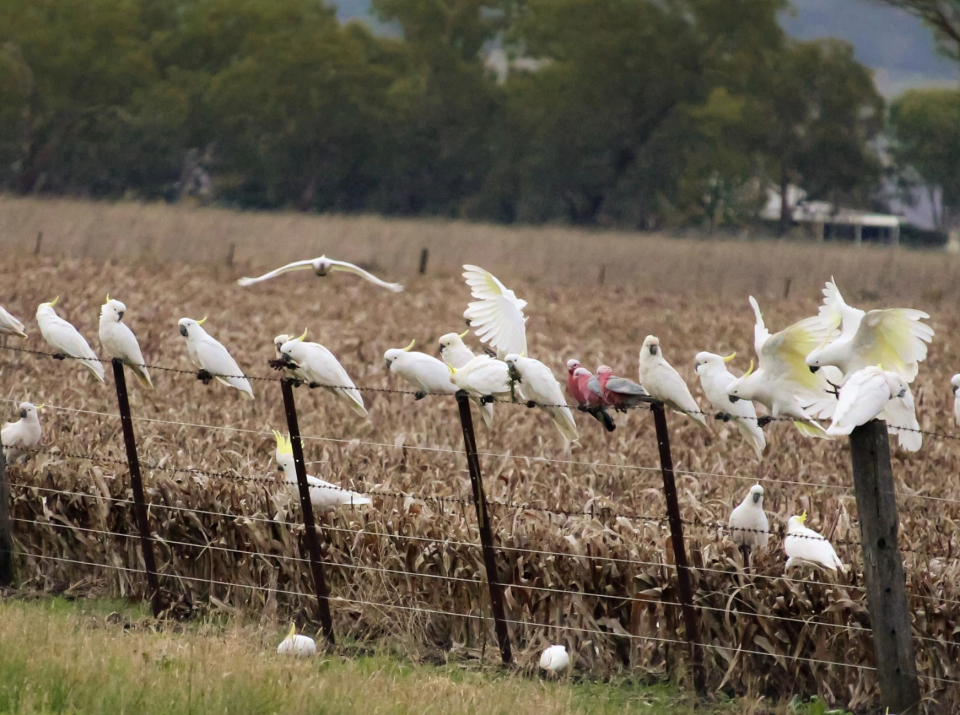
<point x="350" y="268"/>
<point x="760" y="332"/>
<point x="894" y="338"/>
<point x="497" y="316"/>
<point x="837" y="313"/>
<point x="784" y="356"/>
<point x="296" y="266"/>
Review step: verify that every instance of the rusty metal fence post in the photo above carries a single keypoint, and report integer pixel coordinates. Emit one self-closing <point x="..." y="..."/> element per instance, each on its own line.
<point x="6" y="529"/>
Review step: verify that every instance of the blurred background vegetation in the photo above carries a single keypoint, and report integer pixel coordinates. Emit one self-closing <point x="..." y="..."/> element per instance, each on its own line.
<point x="635" y="113"/>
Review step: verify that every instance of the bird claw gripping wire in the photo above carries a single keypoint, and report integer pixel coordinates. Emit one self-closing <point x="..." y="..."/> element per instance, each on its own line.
<point x="835" y="391"/>
<point x="59" y="356"/>
<point x="313" y="385"/>
<point x="419" y="395"/>
<point x="486" y="400"/>
<point x="531" y="404"/>
<point x="764" y="421"/>
<point x="725" y="416"/>
<point x="204" y="376"/>
<point x="277" y="364"/>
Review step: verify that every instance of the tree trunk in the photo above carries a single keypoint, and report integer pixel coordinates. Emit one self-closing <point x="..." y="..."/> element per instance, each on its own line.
<point x="785" y="215"/>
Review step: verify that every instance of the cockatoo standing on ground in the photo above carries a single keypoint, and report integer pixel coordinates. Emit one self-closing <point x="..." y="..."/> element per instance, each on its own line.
<point x="497" y="315"/>
<point x="749" y="527"/>
<point x="425" y="372"/>
<point x="537" y="384"/>
<point x="323" y="266"/>
<point x="804" y="545"/>
<point x="715" y="380"/>
<point x="66" y="339"/>
<point x="120" y="342"/>
<point x="20" y="437"/>
<point x="955" y="386"/>
<point x="555" y="660"/>
<point x="322" y="369"/>
<point x="299" y="646"/>
<point x="212" y="358"/>
<point x="864" y="397"/>
<point x="483" y="377"/>
<point x="618" y="392"/>
<point x="10" y="325"/>
<point x="455" y="354"/>
<point x="664" y="383"/>
<point x="324" y="496"/>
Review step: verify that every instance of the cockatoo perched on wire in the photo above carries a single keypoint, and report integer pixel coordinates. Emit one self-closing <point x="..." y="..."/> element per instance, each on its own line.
<point x="715" y="380"/>
<point x="279" y="364"/>
<point x="538" y="385"/>
<point x="749" y="527"/>
<point x="497" y="315"/>
<point x="455" y="354"/>
<point x="322" y="369"/>
<point x="212" y="358"/>
<point x="323" y="266"/>
<point x="864" y="397"/>
<point x="65" y="339"/>
<point x="323" y="495"/>
<point x="664" y="383"/>
<point x="299" y="646"/>
<point x="555" y="660"/>
<point x="955" y="387"/>
<point x="10" y="325"/>
<point x="804" y="545"/>
<point x="483" y="377"/>
<point x="20" y="437"/>
<point x="783" y="383"/>
<point x="425" y="372"/>
<point x="578" y="379"/>
<point x="618" y="392"/>
<point x="120" y="342"/>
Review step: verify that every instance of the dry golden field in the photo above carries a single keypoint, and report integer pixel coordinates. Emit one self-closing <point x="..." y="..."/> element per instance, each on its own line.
<point x="167" y="263"/>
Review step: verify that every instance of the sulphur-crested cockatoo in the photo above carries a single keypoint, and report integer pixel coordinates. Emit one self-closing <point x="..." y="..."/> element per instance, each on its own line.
<point x="864" y="397"/>
<point x="323" y="266"/>
<point x="664" y="383"/>
<point x="20" y="437"/>
<point x="483" y="377"/>
<point x="120" y="342"/>
<point x="321" y="368"/>
<point x="538" y="385"/>
<point x="425" y="372"/>
<point x="323" y="495"/>
<point x="496" y="315"/>
<point x="895" y="338"/>
<point x="455" y="354"/>
<point x="66" y="339"/>
<point x="213" y="360"/>
<point x="295" y="645"/>
<point x="804" y="545"/>
<point x="715" y="380"/>
<point x="783" y="382"/>
<point x="748" y="523"/>
<point x="279" y="364"/>
<point x="555" y="660"/>
<point x="10" y="325"/>
<point x="955" y="387"/>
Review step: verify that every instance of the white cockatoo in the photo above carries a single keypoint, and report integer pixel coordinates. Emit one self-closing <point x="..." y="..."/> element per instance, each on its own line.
<point x="455" y="354"/>
<point x="496" y="315"/>
<point x="211" y="358"/>
<point x="864" y="397"/>
<point x="10" y="325"/>
<point x="324" y="496"/>
<point x="299" y="646"/>
<point x="783" y="382"/>
<point x="120" y="342"/>
<point x="555" y="660"/>
<point x="538" y="385"/>
<point x="664" y="383"/>
<point x="425" y="372"/>
<point x="279" y="364"/>
<point x="715" y="380"/>
<point x="66" y="339"/>
<point x="955" y="387"/>
<point x="483" y="377"/>
<point x="20" y="437"/>
<point x="804" y="545"/>
<point x="320" y="368"/>
<point x="749" y="527"/>
<point x="323" y="266"/>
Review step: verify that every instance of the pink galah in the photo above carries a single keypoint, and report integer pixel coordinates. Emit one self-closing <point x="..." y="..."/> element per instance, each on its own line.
<point x="573" y="386"/>
<point x="593" y="403"/>
<point x="619" y="392"/>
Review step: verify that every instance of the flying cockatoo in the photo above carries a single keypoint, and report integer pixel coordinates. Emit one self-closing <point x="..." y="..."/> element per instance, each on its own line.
<point x="65" y="339"/>
<point x="555" y="660"/>
<point x="120" y="342"/>
<point x="804" y="545"/>
<point x="299" y="646"/>
<point x="322" y="369"/>
<point x="618" y="392"/>
<point x="955" y="386"/>
<point x="20" y="437"/>
<point x="538" y="385"/>
<point x="715" y="380"/>
<point x="783" y="383"/>
<point x="324" y="496"/>
<point x="212" y="358"/>
<point x="483" y="377"/>
<point x="323" y="266"/>
<point x="497" y="315"/>
<point x="425" y="372"/>
<point x="10" y="325"/>
<point x="864" y="397"/>
<point x="748" y="524"/>
<point x="590" y="402"/>
<point x="895" y="338"/>
<point x="664" y="383"/>
<point x="455" y="354"/>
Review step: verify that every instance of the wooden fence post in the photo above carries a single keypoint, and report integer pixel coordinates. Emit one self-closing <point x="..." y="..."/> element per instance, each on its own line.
<point x="883" y="568"/>
<point x="486" y="536"/>
<point x="690" y="621"/>
<point x="36" y="249"/>
<point x="424" y="257"/>
<point x="306" y="506"/>
<point x="6" y="530"/>
<point x="136" y="484"/>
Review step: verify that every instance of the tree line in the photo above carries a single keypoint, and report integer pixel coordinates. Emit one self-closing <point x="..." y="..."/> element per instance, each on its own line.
<point x="637" y="113"/>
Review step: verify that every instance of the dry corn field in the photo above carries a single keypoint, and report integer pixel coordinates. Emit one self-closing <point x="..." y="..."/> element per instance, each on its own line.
<point x="595" y="579"/>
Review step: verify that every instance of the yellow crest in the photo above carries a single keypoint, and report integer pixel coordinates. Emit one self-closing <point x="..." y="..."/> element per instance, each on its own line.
<point x="749" y="369"/>
<point x="303" y="336"/>
<point x="54" y="301"/>
<point x="201" y="322"/>
<point x="729" y="357"/>
<point x="293" y="630"/>
<point x="107" y="300"/>
<point x="284" y="446"/>
<point x="464" y="334"/>
<point x="803" y="517"/>
<point x="410" y="346"/>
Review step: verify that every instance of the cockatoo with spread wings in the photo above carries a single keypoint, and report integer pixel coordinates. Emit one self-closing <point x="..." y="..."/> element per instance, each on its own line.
<point x="323" y="266"/>
<point x="10" y="325"/>
<point x="783" y="382"/>
<point x="213" y="360"/>
<point x="66" y="339"/>
<point x="497" y="315"/>
<point x="873" y="393"/>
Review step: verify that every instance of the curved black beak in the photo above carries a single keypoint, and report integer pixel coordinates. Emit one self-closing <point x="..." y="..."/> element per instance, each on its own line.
<point x="389" y="363"/>
<point x="120" y="315"/>
<point x="955" y="388"/>
<point x="279" y="468"/>
<point x="814" y="368"/>
<point x="734" y="399"/>
<point x="756" y="498"/>
<point x="901" y="394"/>
<point x="23" y="414"/>
<point x="653" y="349"/>
<point x="183" y="330"/>
<point x="286" y="358"/>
